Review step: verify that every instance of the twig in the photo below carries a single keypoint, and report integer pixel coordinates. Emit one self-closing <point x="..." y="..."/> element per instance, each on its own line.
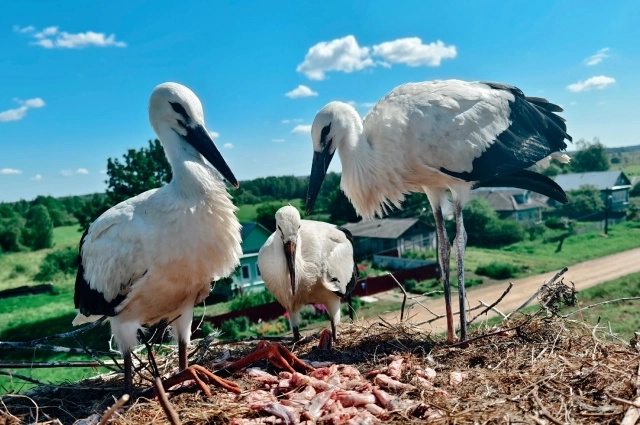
<point x="506" y="291"/>
<point x="602" y="303"/>
<point x="22" y="377"/>
<point x="404" y="299"/>
<point x="468" y="341"/>
<point x="92" y="355"/>
<point x="535" y="295"/>
<point x="54" y="348"/>
<point x="113" y="408"/>
<point x="39" y="341"/>
<point x="543" y="410"/>
<point x="46" y="365"/>
<point x="168" y="409"/>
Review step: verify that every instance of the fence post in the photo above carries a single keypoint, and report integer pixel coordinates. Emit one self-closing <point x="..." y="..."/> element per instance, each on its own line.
<point x="606" y="211"/>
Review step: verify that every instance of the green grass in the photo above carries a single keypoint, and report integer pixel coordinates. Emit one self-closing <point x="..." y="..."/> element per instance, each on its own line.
<point x="534" y="257"/>
<point x="247" y="213"/>
<point x="12" y="264"/>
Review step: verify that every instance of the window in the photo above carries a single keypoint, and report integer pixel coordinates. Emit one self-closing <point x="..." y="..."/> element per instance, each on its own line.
<point x="246" y="273"/>
<point x="258" y="270"/>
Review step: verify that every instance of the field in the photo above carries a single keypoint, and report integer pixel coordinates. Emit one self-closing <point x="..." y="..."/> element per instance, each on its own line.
<point x="248" y="212"/>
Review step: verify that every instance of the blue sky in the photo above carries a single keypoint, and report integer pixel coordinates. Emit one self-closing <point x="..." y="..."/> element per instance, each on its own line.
<point x="75" y="76"/>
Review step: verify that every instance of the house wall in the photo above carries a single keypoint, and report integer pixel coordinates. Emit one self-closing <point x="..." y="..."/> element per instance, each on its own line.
<point x="254" y="240"/>
<point x="418" y="237"/>
<point x="531" y="215"/>
<point x="619" y="199"/>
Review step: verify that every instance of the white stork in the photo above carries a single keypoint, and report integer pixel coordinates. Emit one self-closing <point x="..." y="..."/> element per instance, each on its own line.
<point x="436" y="136"/>
<point x="306" y="261"/>
<point x="154" y="256"/>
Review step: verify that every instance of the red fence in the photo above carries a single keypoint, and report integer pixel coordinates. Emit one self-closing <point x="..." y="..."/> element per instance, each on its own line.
<point x="372" y="285"/>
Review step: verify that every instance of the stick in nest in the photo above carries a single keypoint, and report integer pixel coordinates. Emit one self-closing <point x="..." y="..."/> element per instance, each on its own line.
<point x="118" y="404"/>
<point x="495" y="303"/>
<point x="535" y="295"/>
<point x="404" y="299"/>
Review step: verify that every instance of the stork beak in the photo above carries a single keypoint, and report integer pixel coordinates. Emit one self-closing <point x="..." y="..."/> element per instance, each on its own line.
<point x="199" y="138"/>
<point x="290" y="253"/>
<point x="319" y="167"/>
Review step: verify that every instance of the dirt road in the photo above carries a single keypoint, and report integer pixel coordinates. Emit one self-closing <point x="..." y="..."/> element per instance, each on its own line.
<point x="583" y="275"/>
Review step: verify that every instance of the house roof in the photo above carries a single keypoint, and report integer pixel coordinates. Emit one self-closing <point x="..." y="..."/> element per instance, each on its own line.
<point x="502" y="198"/>
<point x="385" y="228"/>
<point x="248" y="228"/>
<point x="601" y="179"/>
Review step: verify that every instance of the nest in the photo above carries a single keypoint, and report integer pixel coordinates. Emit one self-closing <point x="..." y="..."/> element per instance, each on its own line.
<point x="533" y="369"/>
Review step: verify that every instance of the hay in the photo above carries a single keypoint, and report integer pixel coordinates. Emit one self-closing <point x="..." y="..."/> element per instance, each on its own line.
<point x="540" y="368"/>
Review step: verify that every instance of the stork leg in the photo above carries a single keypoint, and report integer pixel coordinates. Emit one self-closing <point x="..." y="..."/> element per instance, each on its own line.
<point x="461" y="243"/>
<point x="443" y="255"/>
<point x="182" y="327"/>
<point x="128" y="373"/>
<point x="182" y="355"/>
<point x="333" y="308"/>
<point x="294" y="320"/>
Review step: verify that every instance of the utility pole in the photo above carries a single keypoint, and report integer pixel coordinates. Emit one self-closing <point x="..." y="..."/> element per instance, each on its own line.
<point x="606" y="211"/>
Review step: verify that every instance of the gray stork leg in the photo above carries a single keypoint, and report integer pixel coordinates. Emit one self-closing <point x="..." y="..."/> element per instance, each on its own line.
<point x="443" y="255"/>
<point x="128" y="373"/>
<point x="461" y="243"/>
<point x="294" y="320"/>
<point x="182" y="355"/>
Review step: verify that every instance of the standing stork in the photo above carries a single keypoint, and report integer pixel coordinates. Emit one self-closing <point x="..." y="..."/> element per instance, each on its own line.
<point x="306" y="262"/>
<point x="436" y="136"/>
<point x="154" y="256"/>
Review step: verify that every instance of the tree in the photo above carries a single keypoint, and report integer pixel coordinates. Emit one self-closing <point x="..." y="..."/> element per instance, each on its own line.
<point x="635" y="190"/>
<point x="340" y="209"/>
<point x="141" y="170"/>
<point x="10" y="233"/>
<point x="90" y="210"/>
<point x="590" y="157"/>
<point x="266" y="214"/>
<point x="38" y="231"/>
<point x="583" y="202"/>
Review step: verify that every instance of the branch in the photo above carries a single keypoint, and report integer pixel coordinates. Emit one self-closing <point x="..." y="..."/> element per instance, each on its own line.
<point x="24" y="378"/>
<point x="404" y="299"/>
<point x="54" y="348"/>
<point x="506" y="291"/>
<point x="113" y="409"/>
<point x="602" y="303"/>
<point x="39" y="341"/>
<point x="45" y="365"/>
<point x="468" y="341"/>
<point x="535" y="295"/>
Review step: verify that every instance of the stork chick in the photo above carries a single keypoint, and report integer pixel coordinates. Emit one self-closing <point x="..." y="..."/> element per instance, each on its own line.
<point x="434" y="137"/>
<point x="306" y="261"/>
<point x="154" y="256"/>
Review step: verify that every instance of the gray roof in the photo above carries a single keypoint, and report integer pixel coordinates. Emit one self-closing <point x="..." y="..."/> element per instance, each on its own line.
<point x="385" y="228"/>
<point x="601" y="179"/>
<point x="248" y="228"/>
<point x="502" y="198"/>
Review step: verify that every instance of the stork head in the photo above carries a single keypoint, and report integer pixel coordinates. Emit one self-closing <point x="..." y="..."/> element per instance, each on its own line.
<point x="334" y="125"/>
<point x="287" y="226"/>
<point x="175" y="108"/>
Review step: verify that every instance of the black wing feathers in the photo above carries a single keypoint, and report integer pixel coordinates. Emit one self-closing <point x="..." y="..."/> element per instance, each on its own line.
<point x="88" y="300"/>
<point x="354" y="276"/>
<point x="528" y="180"/>
<point x="535" y="132"/>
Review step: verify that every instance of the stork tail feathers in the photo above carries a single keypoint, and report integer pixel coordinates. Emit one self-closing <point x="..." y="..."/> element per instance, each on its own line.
<point x="527" y="180"/>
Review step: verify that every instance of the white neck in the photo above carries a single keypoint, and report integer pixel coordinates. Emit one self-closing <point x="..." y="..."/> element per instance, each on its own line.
<point x="192" y="176"/>
<point x="369" y="174"/>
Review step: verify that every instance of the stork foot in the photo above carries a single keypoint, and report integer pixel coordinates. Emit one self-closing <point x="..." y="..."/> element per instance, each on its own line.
<point x="276" y="354"/>
<point x="326" y="340"/>
<point x="202" y="377"/>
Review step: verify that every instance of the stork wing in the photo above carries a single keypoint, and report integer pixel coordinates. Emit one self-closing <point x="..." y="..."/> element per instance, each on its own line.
<point x="339" y="263"/>
<point x="469" y="130"/>
<point x="111" y="257"/>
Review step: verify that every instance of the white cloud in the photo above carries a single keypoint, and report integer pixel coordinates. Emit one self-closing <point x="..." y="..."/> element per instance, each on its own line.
<point x="37" y="177"/>
<point x="366" y="105"/>
<point x="301" y="91"/>
<point x="13" y="114"/>
<point x="342" y="54"/>
<point x="214" y="134"/>
<point x="277" y="140"/>
<point x="34" y="103"/>
<point x="573" y="103"/>
<point x="103" y="171"/>
<point x="23" y="30"/>
<point x="82" y="171"/>
<point x="412" y="52"/>
<point x="302" y="129"/>
<point x="291" y="120"/>
<point x="50" y="38"/>
<point x="19" y="113"/>
<point x="598" y="82"/>
<point x="597" y="58"/>
<point x="286" y="121"/>
<point x="8" y="171"/>
<point x="66" y="173"/>
<point x="228" y="146"/>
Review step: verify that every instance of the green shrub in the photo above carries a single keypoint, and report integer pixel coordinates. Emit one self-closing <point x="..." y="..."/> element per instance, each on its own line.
<point x="499" y="233"/>
<point x="497" y="270"/>
<point x="57" y="264"/>
<point x="410" y="285"/>
<point x="252" y="299"/>
<point x="535" y="232"/>
<point x="232" y="328"/>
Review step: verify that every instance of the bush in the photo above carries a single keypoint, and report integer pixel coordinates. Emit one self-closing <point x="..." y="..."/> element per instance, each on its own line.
<point x="499" y="233"/>
<point x="497" y="270"/>
<point x="57" y="264"/>
<point x="535" y="232"/>
<point x="556" y="223"/>
<point x="232" y="328"/>
<point x="252" y="299"/>
<point x="410" y="285"/>
<point x="635" y="190"/>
